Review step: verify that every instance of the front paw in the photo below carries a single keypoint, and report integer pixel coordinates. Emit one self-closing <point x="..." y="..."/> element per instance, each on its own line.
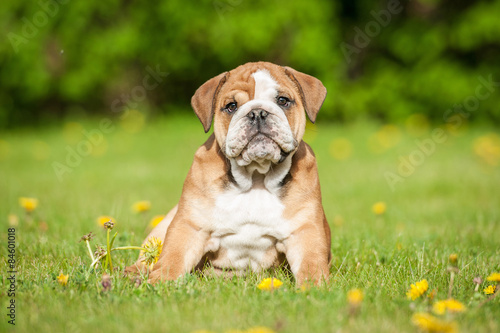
<point x="157" y="275"/>
<point x="136" y="269"/>
<point x="161" y="274"/>
<point x="307" y="279"/>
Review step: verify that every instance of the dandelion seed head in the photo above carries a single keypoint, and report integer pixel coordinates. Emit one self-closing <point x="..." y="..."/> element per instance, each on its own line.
<point x="152" y="250"/>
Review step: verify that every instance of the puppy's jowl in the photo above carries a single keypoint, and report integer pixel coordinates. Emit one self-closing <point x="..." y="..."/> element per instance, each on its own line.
<point x="252" y="197"/>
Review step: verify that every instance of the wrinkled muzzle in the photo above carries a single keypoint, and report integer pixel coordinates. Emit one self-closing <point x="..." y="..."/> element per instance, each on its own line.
<point x="259" y="136"/>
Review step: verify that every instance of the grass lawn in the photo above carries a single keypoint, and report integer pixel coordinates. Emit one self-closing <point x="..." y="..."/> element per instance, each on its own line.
<point x="449" y="204"/>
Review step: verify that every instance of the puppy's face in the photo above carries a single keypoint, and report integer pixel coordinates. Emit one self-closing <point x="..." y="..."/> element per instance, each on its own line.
<point x="258" y="118"/>
<point x="258" y="111"/>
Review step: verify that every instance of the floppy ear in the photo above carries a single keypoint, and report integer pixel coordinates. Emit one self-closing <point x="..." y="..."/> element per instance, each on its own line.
<point x="312" y="91"/>
<point x="203" y="100"/>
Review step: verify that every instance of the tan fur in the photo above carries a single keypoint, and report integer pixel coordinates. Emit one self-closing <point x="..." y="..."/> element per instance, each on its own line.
<point x="303" y="202"/>
<point x="188" y="230"/>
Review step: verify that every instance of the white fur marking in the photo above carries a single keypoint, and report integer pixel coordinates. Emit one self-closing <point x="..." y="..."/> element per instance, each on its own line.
<point x="247" y="225"/>
<point x="266" y="87"/>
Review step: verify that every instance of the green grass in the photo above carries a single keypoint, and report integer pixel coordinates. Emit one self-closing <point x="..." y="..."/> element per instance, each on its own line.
<point x="450" y="204"/>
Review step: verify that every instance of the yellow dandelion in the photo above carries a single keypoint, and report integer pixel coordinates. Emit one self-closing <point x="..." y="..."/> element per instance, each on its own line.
<point x="455" y="306"/>
<point x="304" y="288"/>
<point x="13" y="220"/>
<point x="453" y="258"/>
<point x="103" y="219"/>
<point x="100" y="149"/>
<point x="141" y="206"/>
<point x="152" y="251"/>
<point x="495" y="277"/>
<point x="387" y="137"/>
<point x="156" y="220"/>
<point x="355" y="297"/>
<point x="259" y="329"/>
<point x="341" y="149"/>
<point x="62" y="279"/>
<point x="379" y="208"/>
<point x="338" y="221"/>
<point x="490" y="290"/>
<point x="450" y="305"/>
<point x="269" y="284"/>
<point x="29" y="204"/>
<point x="418" y="289"/>
<point x="4" y="150"/>
<point x="72" y="133"/>
<point x="429" y="323"/>
<point x="40" y="150"/>
<point x="487" y="147"/>
<point x="132" y="121"/>
<point x="417" y="124"/>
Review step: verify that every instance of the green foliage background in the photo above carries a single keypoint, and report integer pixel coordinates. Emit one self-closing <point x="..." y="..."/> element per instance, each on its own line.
<point x="87" y="54"/>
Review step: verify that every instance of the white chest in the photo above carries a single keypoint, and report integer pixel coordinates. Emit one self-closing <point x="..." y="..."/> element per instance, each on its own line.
<point x="246" y="226"/>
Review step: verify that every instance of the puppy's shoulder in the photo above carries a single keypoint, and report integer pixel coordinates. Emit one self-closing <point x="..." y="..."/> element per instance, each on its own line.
<point x="209" y="164"/>
<point x="304" y="160"/>
<point x="206" y="150"/>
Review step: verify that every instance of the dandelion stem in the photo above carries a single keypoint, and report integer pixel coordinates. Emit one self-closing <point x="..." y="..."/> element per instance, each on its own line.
<point x="128" y="248"/>
<point x="90" y="250"/>
<point x="109" y="251"/>
<point x="452" y="279"/>
<point x="97" y="259"/>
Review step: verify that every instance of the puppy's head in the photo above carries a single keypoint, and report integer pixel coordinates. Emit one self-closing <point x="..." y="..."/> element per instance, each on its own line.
<point x="259" y="111"/>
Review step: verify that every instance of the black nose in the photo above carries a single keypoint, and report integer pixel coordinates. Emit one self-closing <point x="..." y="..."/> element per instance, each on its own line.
<point x="257" y="114"/>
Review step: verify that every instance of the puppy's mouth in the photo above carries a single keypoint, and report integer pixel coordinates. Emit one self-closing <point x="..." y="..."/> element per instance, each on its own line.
<point x="261" y="148"/>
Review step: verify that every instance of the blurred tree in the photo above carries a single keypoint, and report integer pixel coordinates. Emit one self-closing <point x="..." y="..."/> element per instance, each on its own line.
<point x="386" y="60"/>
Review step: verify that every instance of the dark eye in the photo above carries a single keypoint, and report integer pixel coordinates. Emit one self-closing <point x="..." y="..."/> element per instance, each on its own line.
<point x="283" y="101"/>
<point x="231" y="107"/>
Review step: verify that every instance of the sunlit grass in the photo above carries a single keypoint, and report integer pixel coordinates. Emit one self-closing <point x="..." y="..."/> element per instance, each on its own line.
<point x="449" y="205"/>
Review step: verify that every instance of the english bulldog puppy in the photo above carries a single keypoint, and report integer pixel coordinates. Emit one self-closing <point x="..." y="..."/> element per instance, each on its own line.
<point x="252" y="198"/>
